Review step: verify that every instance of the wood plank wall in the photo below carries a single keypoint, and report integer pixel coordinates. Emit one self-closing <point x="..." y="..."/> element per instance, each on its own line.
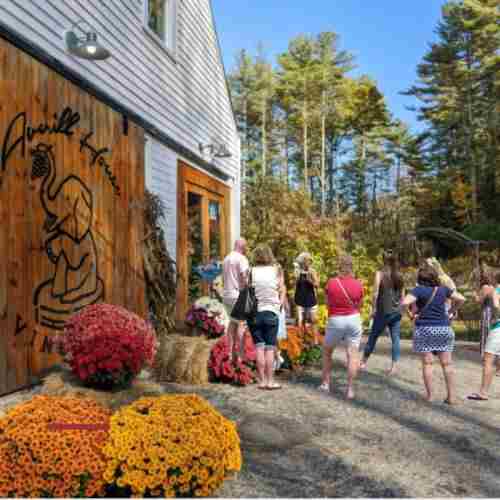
<point x="71" y="201"/>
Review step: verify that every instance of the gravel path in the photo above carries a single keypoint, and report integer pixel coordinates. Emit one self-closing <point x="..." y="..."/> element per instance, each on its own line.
<point x="388" y="442"/>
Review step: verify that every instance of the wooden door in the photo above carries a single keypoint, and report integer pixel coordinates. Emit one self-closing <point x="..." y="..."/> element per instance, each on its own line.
<point x="71" y="205"/>
<point x="203" y="231"/>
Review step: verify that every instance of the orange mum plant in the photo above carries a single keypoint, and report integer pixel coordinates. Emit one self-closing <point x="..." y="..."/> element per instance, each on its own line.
<point x="172" y="445"/>
<point x="52" y="447"/>
<point x="297" y="342"/>
<point x="293" y="344"/>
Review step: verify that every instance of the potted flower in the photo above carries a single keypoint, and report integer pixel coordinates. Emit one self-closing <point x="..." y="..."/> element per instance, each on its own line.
<point x="207" y="317"/>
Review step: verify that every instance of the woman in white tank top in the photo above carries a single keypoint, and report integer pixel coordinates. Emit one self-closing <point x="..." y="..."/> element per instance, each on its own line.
<point x="267" y="279"/>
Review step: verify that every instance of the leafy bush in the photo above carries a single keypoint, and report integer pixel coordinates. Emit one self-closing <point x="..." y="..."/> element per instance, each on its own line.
<point x="107" y="346"/>
<point x="310" y="356"/>
<point x="486" y="231"/>
<point x="365" y="268"/>
<point x="172" y="445"/>
<point x="39" y="458"/>
<point x="285" y="221"/>
<point x="223" y="369"/>
<point x="322" y="317"/>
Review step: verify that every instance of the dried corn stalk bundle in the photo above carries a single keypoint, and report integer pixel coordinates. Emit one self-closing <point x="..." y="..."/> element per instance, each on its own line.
<point x="159" y="268"/>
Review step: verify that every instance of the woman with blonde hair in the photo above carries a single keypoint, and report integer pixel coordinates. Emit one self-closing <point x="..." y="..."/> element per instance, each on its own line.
<point x="306" y="284"/>
<point x="266" y="277"/>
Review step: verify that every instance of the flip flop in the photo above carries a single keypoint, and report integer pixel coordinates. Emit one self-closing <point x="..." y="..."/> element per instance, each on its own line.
<point x="448" y="402"/>
<point x="262" y="387"/>
<point x="273" y="387"/>
<point x="476" y="397"/>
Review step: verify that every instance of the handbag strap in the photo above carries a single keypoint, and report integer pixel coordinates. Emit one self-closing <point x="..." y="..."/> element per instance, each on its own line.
<point x="345" y="293"/>
<point x="429" y="301"/>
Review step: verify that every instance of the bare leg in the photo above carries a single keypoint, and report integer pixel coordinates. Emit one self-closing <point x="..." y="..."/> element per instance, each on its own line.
<point x="449" y="375"/>
<point x="230" y="337"/>
<point x="260" y="361"/>
<point x="236" y="332"/>
<point x="314" y="327"/>
<point x="240" y="340"/>
<point x="427" y="374"/>
<point x="326" y="374"/>
<point x="301" y="321"/>
<point x="498" y="366"/>
<point x="487" y="374"/>
<point x="269" y="368"/>
<point x="352" y="369"/>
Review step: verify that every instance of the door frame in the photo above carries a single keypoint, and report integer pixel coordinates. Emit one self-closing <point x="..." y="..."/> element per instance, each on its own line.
<point x="191" y="179"/>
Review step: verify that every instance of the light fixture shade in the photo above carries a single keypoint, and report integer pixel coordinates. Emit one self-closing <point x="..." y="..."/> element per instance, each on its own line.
<point x="223" y="152"/>
<point x="88" y="48"/>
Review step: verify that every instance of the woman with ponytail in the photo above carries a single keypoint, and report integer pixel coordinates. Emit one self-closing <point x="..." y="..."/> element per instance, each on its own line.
<point x="388" y="291"/>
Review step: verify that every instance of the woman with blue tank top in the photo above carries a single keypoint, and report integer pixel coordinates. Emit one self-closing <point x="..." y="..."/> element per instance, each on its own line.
<point x="489" y="297"/>
<point x="433" y="333"/>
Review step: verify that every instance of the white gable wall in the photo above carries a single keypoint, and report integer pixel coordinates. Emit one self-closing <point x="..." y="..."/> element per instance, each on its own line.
<point x="161" y="178"/>
<point x="184" y="96"/>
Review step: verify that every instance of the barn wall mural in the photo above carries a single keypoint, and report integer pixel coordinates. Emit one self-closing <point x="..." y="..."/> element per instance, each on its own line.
<point x="71" y="197"/>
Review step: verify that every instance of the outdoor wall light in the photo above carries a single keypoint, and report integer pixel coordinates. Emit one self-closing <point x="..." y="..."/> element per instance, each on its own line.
<point x="85" y="48"/>
<point x="216" y="150"/>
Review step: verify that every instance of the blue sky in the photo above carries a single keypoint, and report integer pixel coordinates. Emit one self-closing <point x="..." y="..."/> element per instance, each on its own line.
<point x="388" y="37"/>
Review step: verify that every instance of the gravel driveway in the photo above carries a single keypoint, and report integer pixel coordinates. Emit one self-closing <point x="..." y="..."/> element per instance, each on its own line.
<point x="388" y="442"/>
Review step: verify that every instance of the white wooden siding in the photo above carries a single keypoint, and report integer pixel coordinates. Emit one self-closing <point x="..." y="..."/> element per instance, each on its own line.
<point x="186" y="97"/>
<point x="161" y="179"/>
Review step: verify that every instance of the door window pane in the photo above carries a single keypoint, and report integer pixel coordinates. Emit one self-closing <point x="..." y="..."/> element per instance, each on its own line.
<point x="215" y="230"/>
<point x="195" y="244"/>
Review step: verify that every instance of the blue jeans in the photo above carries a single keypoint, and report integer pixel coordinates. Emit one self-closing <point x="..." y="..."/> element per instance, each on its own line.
<point x="264" y="329"/>
<point x="380" y="322"/>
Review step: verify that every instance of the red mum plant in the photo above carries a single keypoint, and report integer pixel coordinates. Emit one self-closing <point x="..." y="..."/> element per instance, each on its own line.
<point x="107" y="346"/>
<point x="238" y="372"/>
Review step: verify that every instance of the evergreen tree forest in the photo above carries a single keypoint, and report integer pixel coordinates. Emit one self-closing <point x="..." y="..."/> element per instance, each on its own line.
<point x="308" y="126"/>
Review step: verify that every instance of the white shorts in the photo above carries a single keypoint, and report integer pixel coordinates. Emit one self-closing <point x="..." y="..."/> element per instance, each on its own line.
<point x="307" y="312"/>
<point x="493" y="342"/>
<point x="345" y="330"/>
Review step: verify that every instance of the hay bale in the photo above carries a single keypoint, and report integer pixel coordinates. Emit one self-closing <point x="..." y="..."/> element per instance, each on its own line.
<point x="184" y="359"/>
<point x="64" y="383"/>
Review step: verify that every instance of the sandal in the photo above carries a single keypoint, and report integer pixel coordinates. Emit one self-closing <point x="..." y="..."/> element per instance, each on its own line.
<point x="476" y="397"/>
<point x="273" y="387"/>
<point x="448" y="402"/>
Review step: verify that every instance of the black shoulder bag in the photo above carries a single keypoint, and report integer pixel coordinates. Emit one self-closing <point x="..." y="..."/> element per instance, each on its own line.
<point x="245" y="308"/>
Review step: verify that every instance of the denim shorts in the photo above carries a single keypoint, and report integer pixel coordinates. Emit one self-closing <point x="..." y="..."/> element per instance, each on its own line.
<point x="493" y="341"/>
<point x="264" y="329"/>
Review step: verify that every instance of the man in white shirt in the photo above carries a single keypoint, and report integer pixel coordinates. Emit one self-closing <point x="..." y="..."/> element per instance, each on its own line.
<point x="235" y="271"/>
